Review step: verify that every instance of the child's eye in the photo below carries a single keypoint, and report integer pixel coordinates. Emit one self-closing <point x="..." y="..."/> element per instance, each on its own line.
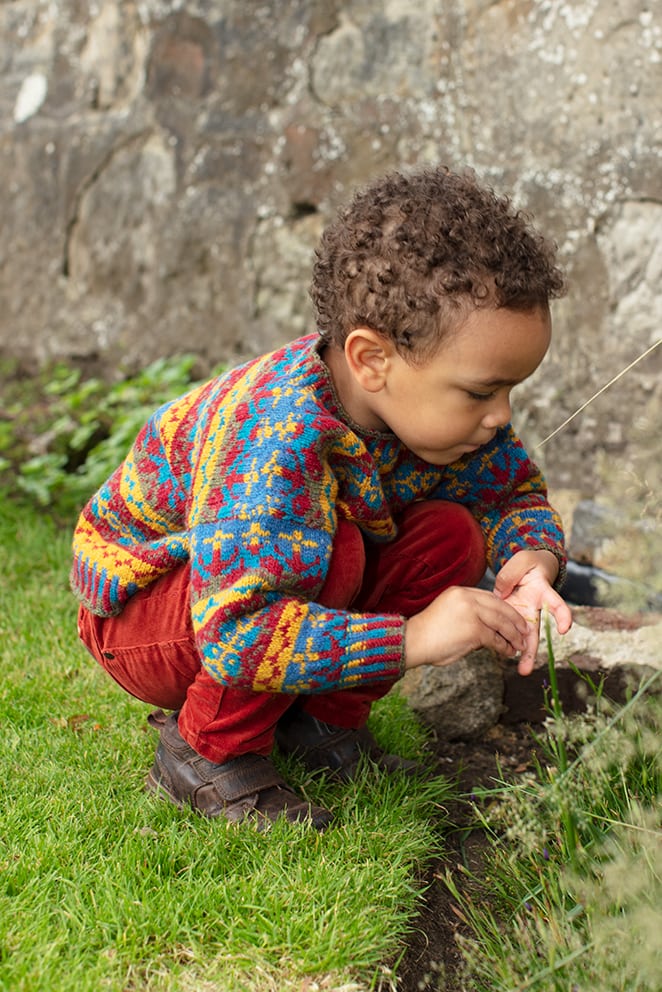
<point x="480" y="397"/>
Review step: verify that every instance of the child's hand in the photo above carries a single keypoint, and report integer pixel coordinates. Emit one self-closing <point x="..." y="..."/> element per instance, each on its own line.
<point x="460" y="620"/>
<point x="525" y="582"/>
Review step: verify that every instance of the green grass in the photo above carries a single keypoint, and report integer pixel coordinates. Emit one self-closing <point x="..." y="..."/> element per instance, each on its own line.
<point x="570" y="894"/>
<point x="102" y="886"/>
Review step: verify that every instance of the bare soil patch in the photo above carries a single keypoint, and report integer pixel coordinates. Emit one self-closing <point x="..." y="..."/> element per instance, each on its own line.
<point x="504" y="752"/>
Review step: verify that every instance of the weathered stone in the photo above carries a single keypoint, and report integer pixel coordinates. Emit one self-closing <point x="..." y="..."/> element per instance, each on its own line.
<point x="592" y="526"/>
<point x="616" y="639"/>
<point x="615" y="546"/>
<point x="616" y="651"/>
<point x="167" y="169"/>
<point x="459" y="701"/>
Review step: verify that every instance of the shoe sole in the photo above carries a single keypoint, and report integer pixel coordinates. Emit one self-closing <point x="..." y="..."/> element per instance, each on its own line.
<point x="261" y="823"/>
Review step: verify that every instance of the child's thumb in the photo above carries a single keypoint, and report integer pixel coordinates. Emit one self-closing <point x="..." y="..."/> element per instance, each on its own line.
<point x="503" y="583"/>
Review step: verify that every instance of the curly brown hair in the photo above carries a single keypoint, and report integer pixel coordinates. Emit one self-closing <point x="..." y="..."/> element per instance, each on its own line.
<point x="410" y="255"/>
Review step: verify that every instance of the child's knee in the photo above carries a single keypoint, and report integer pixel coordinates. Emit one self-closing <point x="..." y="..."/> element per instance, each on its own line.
<point x="450" y="534"/>
<point x="346" y="568"/>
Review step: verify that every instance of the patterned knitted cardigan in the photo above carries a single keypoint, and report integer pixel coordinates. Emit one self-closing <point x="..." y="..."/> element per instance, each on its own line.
<point x="245" y="477"/>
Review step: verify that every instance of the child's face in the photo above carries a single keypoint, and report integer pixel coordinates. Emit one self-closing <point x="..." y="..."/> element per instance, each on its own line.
<point x="454" y="403"/>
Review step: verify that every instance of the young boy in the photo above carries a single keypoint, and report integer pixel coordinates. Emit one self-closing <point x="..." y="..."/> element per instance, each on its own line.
<point x="283" y="542"/>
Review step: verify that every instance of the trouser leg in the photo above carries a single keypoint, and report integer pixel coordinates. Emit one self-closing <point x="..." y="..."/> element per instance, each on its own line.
<point x="149" y="650"/>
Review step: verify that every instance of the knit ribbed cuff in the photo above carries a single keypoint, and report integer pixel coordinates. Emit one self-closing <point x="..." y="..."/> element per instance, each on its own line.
<point x="374" y="649"/>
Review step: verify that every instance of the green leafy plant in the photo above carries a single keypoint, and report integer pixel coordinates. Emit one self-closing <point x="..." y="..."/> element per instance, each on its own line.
<point x="61" y="435"/>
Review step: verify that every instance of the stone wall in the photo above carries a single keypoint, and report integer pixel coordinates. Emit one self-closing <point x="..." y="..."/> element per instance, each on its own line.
<point x="167" y="169"/>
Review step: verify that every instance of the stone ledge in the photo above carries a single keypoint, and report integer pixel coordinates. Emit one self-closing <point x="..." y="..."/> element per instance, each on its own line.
<point x="462" y="701"/>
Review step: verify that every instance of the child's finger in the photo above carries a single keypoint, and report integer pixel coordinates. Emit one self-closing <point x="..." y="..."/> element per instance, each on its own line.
<point x="506" y="581"/>
<point x="562" y="614"/>
<point x="509" y="626"/>
<point x="527" y="659"/>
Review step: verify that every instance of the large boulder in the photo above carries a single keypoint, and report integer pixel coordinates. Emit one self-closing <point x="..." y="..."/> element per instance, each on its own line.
<point x="459" y="701"/>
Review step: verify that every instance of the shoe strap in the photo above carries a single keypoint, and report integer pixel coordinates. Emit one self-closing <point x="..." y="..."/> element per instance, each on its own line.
<point x="244" y="776"/>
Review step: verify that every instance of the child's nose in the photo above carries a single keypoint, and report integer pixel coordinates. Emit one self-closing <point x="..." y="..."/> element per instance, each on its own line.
<point x="499" y="413"/>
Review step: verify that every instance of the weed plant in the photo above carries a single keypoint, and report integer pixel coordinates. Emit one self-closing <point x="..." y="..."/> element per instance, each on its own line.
<point x="61" y="434"/>
<point x="570" y="897"/>
<point x="103" y="886"/>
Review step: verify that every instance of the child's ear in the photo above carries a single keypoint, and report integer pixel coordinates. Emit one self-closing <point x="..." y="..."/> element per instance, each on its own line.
<point x="368" y="355"/>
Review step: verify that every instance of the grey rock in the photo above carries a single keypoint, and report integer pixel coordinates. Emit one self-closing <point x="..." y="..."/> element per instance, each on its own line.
<point x="618" y="640"/>
<point x="459" y="701"/>
<point x="615" y="651"/>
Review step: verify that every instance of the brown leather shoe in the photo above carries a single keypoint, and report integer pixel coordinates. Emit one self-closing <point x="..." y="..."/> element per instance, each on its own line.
<point x="338" y="750"/>
<point x="244" y="788"/>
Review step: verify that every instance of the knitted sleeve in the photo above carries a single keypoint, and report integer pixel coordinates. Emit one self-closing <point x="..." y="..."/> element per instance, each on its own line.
<point x="507" y="494"/>
<point x="262" y="523"/>
<point x="129" y="532"/>
<point x="256" y="625"/>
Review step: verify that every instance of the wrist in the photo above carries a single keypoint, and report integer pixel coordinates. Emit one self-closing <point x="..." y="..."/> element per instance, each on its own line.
<point x="414" y="653"/>
<point x="549" y="563"/>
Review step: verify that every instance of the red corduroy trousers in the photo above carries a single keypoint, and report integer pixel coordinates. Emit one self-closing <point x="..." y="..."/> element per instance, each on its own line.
<point x="149" y="648"/>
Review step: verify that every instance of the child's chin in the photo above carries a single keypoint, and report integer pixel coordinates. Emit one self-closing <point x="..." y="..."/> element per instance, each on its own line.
<point x="439" y="458"/>
<point x="454" y="454"/>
